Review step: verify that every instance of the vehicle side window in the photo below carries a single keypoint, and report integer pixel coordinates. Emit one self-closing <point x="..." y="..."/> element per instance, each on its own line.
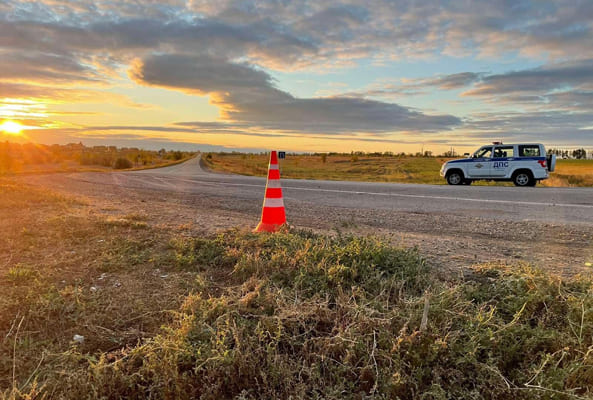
<point x="504" y="152"/>
<point x="529" y="151"/>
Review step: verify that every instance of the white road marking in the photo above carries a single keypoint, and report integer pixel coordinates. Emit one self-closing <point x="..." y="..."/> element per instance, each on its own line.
<point x="414" y="196"/>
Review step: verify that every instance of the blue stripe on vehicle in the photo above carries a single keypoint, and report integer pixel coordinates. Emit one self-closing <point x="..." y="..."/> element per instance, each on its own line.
<point x="464" y="160"/>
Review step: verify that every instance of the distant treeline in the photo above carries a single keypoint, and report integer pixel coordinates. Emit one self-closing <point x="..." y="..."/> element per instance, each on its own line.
<point x="15" y="156"/>
<point x="580" y="153"/>
<point x="352" y="153"/>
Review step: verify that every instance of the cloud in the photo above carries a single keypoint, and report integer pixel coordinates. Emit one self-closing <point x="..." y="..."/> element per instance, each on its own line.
<point x="216" y="128"/>
<point x="265" y="41"/>
<point x="445" y="82"/>
<point x="306" y="33"/>
<point x="418" y="86"/>
<point x="336" y="23"/>
<point x="199" y="75"/>
<point x="67" y="135"/>
<point x="11" y="92"/>
<point x="144" y="128"/>
<point x="42" y="67"/>
<point x="556" y="86"/>
<point x="56" y="49"/>
<point x="247" y="95"/>
<point x="522" y="86"/>
<point x="562" y="87"/>
<point x="409" y="28"/>
<point x="537" y="80"/>
<point x="556" y="128"/>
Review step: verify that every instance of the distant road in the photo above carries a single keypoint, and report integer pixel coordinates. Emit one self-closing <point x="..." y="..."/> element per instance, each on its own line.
<point x="554" y="205"/>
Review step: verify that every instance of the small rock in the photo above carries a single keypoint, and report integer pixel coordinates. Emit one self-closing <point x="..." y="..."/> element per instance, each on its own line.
<point x="78" y="339"/>
<point x="103" y="276"/>
<point x="93" y="289"/>
<point x="116" y="284"/>
<point x="164" y="276"/>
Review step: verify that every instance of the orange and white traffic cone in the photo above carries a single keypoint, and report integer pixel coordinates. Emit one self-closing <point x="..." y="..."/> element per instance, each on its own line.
<point x="273" y="215"/>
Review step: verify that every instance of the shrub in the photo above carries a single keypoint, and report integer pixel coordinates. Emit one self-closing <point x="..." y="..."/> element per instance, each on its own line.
<point x="122" y="163"/>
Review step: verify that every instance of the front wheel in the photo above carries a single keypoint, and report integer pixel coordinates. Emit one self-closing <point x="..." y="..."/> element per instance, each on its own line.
<point x="523" y="179"/>
<point x="454" y="178"/>
<point x="467" y="182"/>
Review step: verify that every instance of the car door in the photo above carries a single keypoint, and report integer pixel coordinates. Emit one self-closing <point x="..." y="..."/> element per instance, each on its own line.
<point x="481" y="163"/>
<point x="501" y="160"/>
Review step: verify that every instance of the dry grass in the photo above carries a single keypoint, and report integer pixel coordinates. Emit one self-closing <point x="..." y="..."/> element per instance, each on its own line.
<point x="73" y="166"/>
<point x="300" y="315"/>
<point x="64" y="270"/>
<point x="16" y="158"/>
<point x="571" y="173"/>
<point x="336" y="167"/>
<point x="378" y="169"/>
<point x="289" y="315"/>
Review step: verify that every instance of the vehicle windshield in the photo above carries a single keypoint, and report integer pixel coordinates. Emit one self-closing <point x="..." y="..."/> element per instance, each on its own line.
<point x="484" y="152"/>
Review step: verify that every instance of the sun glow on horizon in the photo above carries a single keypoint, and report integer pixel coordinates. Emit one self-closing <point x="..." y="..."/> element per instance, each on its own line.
<point x="11" y="127"/>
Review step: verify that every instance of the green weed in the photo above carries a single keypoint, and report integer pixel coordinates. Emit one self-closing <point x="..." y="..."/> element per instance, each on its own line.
<point x="21" y="273"/>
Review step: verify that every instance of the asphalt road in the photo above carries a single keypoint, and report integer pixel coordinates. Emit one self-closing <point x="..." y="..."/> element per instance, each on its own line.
<point x="554" y="205"/>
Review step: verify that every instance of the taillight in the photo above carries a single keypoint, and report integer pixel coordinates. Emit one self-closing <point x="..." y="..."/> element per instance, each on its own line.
<point x="543" y="163"/>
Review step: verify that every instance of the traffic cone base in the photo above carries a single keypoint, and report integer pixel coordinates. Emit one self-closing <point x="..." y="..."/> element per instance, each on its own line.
<point x="273" y="213"/>
<point x="261" y="227"/>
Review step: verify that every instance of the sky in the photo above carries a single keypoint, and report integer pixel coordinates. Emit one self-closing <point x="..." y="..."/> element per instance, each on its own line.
<point x="306" y="76"/>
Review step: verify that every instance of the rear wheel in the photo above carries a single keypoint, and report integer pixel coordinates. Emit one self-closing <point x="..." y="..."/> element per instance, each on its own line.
<point x="455" y="178"/>
<point x="524" y="179"/>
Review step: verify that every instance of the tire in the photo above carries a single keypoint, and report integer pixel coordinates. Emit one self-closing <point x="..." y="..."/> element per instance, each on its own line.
<point x="455" y="178"/>
<point x="523" y="179"/>
<point x="467" y="182"/>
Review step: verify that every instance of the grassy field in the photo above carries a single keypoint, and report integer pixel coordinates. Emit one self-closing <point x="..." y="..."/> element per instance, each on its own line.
<point x="291" y="315"/>
<point x="73" y="166"/>
<point x="376" y="169"/>
<point x="572" y="173"/>
<point x="29" y="158"/>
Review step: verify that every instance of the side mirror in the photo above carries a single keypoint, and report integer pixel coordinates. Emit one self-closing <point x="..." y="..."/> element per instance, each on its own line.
<point x="466" y="155"/>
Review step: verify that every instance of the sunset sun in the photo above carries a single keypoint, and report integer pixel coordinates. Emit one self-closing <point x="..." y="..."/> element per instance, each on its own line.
<point x="11" y="127"/>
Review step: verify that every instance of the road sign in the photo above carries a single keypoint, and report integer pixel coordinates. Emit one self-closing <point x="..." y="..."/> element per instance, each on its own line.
<point x="282" y="155"/>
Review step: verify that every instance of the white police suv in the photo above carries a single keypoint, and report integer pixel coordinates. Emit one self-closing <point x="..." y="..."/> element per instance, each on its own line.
<point x="522" y="164"/>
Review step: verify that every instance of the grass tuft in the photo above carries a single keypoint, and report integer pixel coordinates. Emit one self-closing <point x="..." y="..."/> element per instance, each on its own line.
<point x="21" y="273"/>
<point x="303" y="315"/>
